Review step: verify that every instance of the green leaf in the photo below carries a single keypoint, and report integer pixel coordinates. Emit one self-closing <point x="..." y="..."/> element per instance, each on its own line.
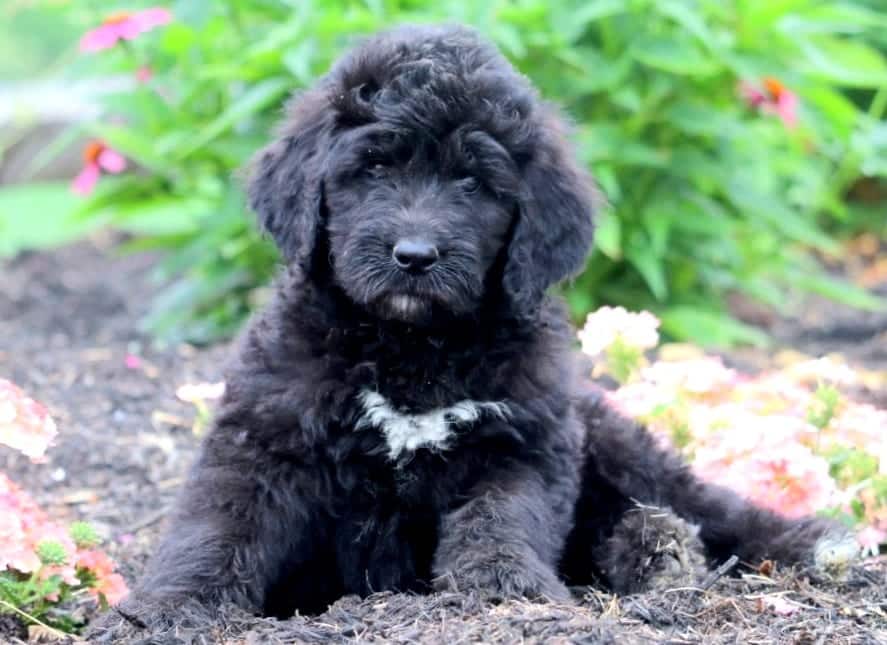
<point x="38" y="215"/>
<point x="651" y="269"/>
<point x="676" y="56"/>
<point x="847" y="63"/>
<point x="798" y="227"/>
<point x="689" y="18"/>
<point x="608" y="234"/>
<point x="709" y="328"/>
<point x="163" y="215"/>
<point x="833" y="18"/>
<point x="255" y="99"/>
<point x="572" y="23"/>
<point x="836" y="289"/>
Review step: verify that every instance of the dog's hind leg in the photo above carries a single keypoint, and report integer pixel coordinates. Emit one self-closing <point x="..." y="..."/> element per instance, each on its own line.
<point x="625" y="466"/>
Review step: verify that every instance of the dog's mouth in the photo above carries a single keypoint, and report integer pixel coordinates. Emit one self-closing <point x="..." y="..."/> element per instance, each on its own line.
<point x="404" y="307"/>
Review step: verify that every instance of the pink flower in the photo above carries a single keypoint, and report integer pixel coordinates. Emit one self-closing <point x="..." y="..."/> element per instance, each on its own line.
<point x="96" y="158"/>
<point x="772" y="97"/>
<point x="695" y="375"/>
<point x="124" y="25"/>
<point x="864" y="426"/>
<point x="109" y="584"/>
<point x="144" y="74"/>
<point x="640" y="399"/>
<point x="787" y="478"/>
<point x="23" y="526"/>
<point x="132" y="362"/>
<point x="870" y="539"/>
<point x="822" y="370"/>
<point x="609" y="324"/>
<point x="24" y="424"/>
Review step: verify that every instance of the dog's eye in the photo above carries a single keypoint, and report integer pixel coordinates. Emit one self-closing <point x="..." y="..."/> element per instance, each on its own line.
<point x="377" y="169"/>
<point x="375" y="164"/>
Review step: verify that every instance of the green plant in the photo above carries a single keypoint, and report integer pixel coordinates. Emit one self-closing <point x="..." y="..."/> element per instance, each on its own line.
<point x="708" y="192"/>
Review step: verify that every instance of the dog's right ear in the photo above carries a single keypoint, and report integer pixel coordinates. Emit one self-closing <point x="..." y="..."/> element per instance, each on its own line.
<point x="286" y="178"/>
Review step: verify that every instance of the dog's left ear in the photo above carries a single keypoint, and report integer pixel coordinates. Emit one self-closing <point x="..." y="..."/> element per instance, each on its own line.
<point x="286" y="178"/>
<point x="554" y="228"/>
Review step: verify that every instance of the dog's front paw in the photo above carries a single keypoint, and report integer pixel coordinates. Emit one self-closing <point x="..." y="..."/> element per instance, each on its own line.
<point x="141" y="619"/>
<point x="652" y="548"/>
<point x="502" y="574"/>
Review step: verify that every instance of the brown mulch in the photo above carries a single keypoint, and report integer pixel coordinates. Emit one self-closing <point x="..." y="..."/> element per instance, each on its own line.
<point x="68" y="321"/>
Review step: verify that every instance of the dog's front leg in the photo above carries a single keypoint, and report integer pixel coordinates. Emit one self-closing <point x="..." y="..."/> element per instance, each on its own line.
<point x="505" y="541"/>
<point x="241" y="524"/>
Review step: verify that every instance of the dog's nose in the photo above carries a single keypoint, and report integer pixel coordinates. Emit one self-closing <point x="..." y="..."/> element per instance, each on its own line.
<point x="415" y="255"/>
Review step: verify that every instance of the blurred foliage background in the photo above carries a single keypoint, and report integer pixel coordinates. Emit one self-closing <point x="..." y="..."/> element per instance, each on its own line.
<point x="735" y="140"/>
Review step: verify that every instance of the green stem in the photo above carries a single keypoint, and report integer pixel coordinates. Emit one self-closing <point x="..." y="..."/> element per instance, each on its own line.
<point x="57" y="633"/>
<point x="878" y="104"/>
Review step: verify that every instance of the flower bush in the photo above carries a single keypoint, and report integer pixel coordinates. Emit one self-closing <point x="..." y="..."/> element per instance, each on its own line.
<point x="723" y="135"/>
<point x="46" y="569"/>
<point x="790" y="440"/>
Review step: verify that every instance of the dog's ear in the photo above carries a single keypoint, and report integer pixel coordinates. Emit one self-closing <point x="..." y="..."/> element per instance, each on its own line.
<point x="286" y="178"/>
<point x="554" y="227"/>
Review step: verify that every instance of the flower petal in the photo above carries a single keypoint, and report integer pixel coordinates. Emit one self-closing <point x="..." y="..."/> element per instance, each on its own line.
<point x="153" y="17"/>
<point x="100" y="38"/>
<point x="112" y="161"/>
<point x="85" y="182"/>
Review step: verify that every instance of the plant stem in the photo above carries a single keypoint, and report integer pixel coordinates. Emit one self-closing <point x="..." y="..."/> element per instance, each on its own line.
<point x="56" y="632"/>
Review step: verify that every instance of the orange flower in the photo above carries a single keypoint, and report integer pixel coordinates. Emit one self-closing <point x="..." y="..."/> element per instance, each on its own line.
<point x="771" y="96"/>
<point x="97" y="157"/>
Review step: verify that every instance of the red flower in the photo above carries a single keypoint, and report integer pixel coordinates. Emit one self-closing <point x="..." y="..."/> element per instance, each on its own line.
<point x="96" y="158"/>
<point x="123" y="25"/>
<point x="772" y="97"/>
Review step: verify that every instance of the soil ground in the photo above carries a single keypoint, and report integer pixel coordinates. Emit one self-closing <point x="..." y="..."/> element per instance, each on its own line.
<point x="68" y="321"/>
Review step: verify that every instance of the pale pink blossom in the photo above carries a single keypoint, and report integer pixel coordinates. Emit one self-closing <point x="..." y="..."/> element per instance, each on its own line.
<point x="97" y="157"/>
<point x="695" y="375"/>
<point x="822" y="370"/>
<point x="124" y="25"/>
<point x="24" y="424"/>
<point x="772" y="97"/>
<point x="23" y="526"/>
<point x="639" y="399"/>
<point x="863" y="426"/>
<point x="772" y="393"/>
<point x="731" y="430"/>
<point x="870" y="539"/>
<point x="791" y="480"/>
<point x="609" y="324"/>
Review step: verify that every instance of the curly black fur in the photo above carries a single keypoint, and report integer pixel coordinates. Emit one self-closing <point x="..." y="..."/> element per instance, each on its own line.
<point x="423" y="133"/>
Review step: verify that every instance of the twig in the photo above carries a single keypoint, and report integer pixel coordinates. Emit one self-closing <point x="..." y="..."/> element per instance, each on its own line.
<point x="133" y="620"/>
<point x="720" y="572"/>
<point x="147" y="521"/>
<point x="56" y="632"/>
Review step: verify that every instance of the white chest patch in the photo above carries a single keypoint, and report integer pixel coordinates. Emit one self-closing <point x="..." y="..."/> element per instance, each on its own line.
<point x="433" y="429"/>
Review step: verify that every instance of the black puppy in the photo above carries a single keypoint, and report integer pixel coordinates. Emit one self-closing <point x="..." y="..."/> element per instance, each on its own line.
<point x="405" y="413"/>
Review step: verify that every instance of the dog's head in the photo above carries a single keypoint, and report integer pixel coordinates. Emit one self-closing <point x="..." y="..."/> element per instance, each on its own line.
<point x="432" y="174"/>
